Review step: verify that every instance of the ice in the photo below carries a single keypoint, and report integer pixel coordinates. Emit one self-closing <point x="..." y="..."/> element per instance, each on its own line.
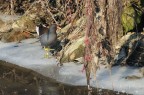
<point x="29" y="54"/>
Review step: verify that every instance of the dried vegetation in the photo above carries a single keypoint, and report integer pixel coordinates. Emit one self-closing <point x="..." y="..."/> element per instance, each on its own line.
<point x="97" y="24"/>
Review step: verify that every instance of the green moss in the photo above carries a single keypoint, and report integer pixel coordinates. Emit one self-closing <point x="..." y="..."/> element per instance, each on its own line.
<point x="129" y="18"/>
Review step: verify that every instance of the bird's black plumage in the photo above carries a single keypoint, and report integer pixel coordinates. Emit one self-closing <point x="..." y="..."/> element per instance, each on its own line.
<point x="47" y="36"/>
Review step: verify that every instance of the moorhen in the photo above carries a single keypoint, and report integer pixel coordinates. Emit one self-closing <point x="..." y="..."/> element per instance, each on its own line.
<point x="47" y="37"/>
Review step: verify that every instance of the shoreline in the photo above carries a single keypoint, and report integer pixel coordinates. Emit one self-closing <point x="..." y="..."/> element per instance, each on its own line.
<point x="39" y="79"/>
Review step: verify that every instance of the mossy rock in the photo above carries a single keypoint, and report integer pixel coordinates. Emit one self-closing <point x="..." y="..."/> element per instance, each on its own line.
<point x="128" y="19"/>
<point x="75" y="50"/>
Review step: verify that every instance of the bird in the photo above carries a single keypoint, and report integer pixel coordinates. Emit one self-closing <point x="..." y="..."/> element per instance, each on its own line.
<point x="47" y="37"/>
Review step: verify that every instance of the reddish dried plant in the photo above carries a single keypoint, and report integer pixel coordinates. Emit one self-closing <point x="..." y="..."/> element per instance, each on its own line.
<point x="88" y="57"/>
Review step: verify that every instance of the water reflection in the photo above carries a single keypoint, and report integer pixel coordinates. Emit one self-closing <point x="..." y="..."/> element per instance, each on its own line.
<point x="15" y="80"/>
<point x="9" y="87"/>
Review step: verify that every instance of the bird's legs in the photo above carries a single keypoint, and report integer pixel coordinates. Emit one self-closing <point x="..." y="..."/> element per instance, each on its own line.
<point x="47" y="52"/>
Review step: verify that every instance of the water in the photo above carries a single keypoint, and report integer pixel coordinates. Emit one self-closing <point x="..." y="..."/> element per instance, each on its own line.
<point x="15" y="80"/>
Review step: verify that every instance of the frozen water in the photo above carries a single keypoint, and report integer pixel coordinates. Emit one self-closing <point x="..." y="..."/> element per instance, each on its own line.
<point x="29" y="54"/>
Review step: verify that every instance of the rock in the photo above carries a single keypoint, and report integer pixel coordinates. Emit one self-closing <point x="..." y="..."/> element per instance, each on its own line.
<point x="79" y="60"/>
<point x="9" y="18"/>
<point x="5" y="27"/>
<point x="17" y="30"/>
<point x="15" y="36"/>
<point x="130" y="50"/>
<point x="125" y="40"/>
<point x="26" y="22"/>
<point x="73" y="51"/>
<point x="1" y="22"/>
<point x="76" y="48"/>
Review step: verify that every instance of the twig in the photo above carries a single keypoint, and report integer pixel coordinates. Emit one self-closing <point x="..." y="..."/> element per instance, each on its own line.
<point x="52" y="16"/>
